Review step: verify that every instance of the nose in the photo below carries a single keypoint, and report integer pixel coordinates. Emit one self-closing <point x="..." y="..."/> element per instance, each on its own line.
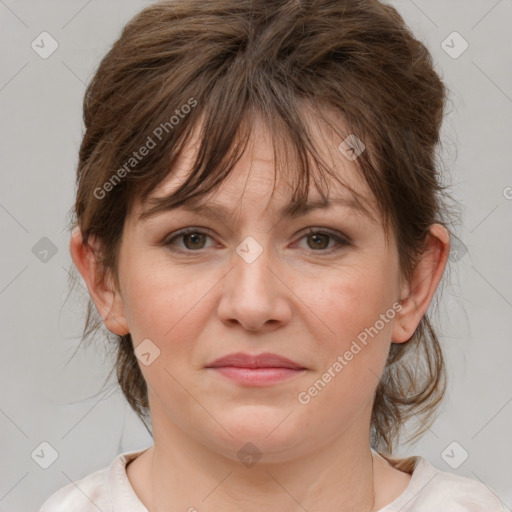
<point x="254" y="295"/>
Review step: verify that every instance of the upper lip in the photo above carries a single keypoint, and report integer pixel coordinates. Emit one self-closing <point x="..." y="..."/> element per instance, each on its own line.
<point x="265" y="360"/>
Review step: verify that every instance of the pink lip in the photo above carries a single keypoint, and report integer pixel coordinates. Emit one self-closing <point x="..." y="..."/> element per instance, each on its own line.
<point x="256" y="370"/>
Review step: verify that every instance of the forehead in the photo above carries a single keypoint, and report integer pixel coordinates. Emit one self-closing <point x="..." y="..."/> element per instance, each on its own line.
<point x="255" y="177"/>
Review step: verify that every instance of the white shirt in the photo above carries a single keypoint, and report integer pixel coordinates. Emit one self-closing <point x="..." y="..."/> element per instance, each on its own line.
<point x="429" y="490"/>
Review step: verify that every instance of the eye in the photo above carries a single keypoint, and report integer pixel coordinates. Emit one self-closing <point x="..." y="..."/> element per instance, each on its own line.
<point x="320" y="240"/>
<point x="194" y="240"/>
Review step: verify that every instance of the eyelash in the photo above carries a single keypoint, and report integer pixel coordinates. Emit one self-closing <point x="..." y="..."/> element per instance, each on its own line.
<point x="341" y="240"/>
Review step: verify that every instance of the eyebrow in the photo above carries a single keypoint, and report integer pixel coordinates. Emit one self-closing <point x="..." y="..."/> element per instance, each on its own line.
<point x="290" y="210"/>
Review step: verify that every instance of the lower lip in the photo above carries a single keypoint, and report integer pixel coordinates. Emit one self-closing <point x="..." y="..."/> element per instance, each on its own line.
<point x="257" y="376"/>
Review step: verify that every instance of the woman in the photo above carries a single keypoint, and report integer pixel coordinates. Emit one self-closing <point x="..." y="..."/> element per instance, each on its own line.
<point x="261" y="224"/>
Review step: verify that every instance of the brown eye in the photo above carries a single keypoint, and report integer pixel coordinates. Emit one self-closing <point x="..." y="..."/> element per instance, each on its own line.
<point x="192" y="239"/>
<point x="195" y="240"/>
<point x="318" y="240"/>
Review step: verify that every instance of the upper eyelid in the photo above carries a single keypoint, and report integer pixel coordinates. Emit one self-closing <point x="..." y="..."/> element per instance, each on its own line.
<point x="311" y="230"/>
<point x="206" y="230"/>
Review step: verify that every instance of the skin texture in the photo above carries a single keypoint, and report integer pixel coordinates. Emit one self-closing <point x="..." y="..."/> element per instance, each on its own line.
<point x="297" y="300"/>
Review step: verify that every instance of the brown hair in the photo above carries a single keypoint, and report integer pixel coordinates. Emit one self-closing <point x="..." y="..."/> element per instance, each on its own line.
<point x="182" y="63"/>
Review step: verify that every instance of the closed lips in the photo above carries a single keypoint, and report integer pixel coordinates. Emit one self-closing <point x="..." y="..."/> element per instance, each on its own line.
<point x="251" y="361"/>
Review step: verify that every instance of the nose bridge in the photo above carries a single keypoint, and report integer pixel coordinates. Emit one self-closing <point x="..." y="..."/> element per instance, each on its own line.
<point x="253" y="296"/>
<point x="255" y="258"/>
<point x="252" y="261"/>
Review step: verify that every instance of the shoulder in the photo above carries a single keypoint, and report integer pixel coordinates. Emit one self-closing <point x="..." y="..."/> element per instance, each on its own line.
<point x="103" y="490"/>
<point x="431" y="489"/>
<point x="85" y="495"/>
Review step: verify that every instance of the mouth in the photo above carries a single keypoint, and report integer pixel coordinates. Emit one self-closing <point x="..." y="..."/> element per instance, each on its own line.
<point x="256" y="370"/>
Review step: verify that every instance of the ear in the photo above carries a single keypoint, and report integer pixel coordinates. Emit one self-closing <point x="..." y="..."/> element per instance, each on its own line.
<point x="418" y="293"/>
<point x="101" y="289"/>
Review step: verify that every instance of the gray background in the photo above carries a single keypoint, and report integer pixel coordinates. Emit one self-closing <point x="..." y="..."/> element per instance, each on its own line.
<point x="50" y="397"/>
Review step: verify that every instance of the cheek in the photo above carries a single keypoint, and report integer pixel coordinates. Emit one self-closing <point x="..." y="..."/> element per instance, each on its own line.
<point x="171" y="308"/>
<point x="347" y="305"/>
<point x="165" y="304"/>
<point x="354" y="338"/>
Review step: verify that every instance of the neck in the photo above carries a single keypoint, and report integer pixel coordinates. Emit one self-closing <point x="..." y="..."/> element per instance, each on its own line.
<point x="187" y="475"/>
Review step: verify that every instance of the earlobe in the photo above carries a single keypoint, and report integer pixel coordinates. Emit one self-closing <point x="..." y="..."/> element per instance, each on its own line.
<point x="424" y="282"/>
<point x="106" y="299"/>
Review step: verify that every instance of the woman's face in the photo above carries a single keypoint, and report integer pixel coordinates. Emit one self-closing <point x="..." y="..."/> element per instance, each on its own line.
<point x="255" y="282"/>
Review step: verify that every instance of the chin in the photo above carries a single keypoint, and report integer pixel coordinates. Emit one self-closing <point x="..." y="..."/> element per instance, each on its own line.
<point x="262" y="427"/>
